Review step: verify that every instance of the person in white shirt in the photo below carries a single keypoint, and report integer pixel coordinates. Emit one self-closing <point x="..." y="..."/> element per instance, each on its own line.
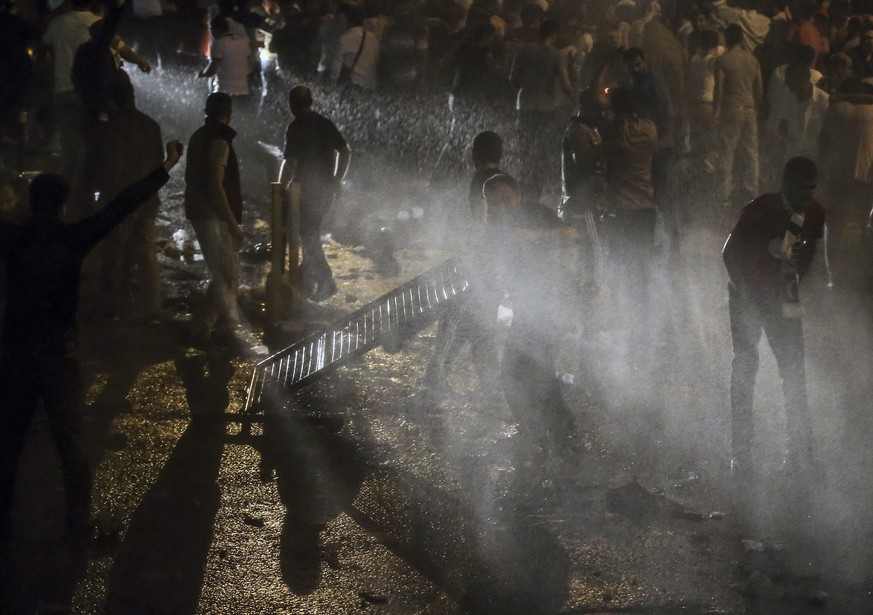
<point x="230" y="61"/>
<point x="357" y="51"/>
<point x="797" y="121"/>
<point x="64" y="35"/>
<point x="777" y="90"/>
<point x="700" y="89"/>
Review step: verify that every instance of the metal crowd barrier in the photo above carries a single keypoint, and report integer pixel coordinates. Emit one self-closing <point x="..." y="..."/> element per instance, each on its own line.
<point x="395" y="315"/>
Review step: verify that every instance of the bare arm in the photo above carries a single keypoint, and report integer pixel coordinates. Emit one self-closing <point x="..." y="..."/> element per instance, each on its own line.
<point x="513" y="74"/>
<point x="129" y="55"/>
<point x="287" y="171"/>
<point x="210" y="69"/>
<point x="218" y="197"/>
<point x="344" y="156"/>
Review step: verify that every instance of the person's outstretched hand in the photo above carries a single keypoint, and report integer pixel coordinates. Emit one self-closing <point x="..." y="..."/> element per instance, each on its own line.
<point x="174" y="154"/>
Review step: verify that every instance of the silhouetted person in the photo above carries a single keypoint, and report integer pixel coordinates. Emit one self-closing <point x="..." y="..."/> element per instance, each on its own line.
<point x="317" y="157"/>
<point x="769" y="249"/>
<point x="129" y="269"/>
<point x="213" y="205"/>
<point x="16" y="67"/>
<point x="472" y="319"/>
<point x="630" y="143"/>
<point x="540" y="295"/>
<point x="43" y="258"/>
<point x="96" y="67"/>
<point x="583" y="179"/>
<point x="536" y="72"/>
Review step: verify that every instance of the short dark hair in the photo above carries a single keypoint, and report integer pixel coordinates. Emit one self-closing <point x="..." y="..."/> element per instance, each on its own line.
<point x="805" y="54"/>
<point x="733" y="35"/>
<point x="219" y="25"/>
<point x="797" y="70"/>
<point x="219" y="104"/>
<point x="300" y="97"/>
<point x="487" y="147"/>
<point x="548" y="27"/>
<point x="799" y="167"/>
<point x="708" y="39"/>
<point x="48" y="193"/>
<point x="632" y="53"/>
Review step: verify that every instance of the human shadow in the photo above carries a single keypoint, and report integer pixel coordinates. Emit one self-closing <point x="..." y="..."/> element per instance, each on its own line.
<point x="46" y="566"/>
<point x="510" y="563"/>
<point x="159" y="567"/>
<point x="317" y="473"/>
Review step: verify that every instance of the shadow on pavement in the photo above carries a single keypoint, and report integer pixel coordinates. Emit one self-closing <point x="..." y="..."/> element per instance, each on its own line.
<point x="159" y="568"/>
<point x="510" y="563"/>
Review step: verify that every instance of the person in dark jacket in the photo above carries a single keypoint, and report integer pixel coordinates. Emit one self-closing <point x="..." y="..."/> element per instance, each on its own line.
<point x="316" y="156"/>
<point x="213" y="204"/>
<point x="43" y="259"/>
<point x="769" y="249"/>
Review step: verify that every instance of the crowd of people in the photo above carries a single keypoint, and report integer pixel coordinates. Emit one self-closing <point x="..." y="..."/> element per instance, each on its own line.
<point x="617" y="104"/>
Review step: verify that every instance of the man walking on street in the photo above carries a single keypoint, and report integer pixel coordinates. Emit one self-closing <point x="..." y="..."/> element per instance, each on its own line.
<point x="766" y="254"/>
<point x="317" y="157"/>
<point x="213" y="204"/>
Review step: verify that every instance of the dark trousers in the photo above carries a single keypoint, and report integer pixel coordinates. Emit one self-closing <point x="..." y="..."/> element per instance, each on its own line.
<point x="631" y="241"/>
<point x="471" y="321"/>
<point x="749" y="318"/>
<point x="57" y="382"/>
<point x="315" y="201"/>
<point x="532" y="390"/>
<point x="537" y="135"/>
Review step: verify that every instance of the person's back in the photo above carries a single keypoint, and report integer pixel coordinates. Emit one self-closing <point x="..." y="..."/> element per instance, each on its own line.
<point x="315" y="152"/>
<point x="95" y="68"/>
<point x="404" y="52"/>
<point x="43" y="258"/>
<point x="535" y="71"/>
<point x="701" y="77"/>
<point x="233" y="54"/>
<point x="357" y="52"/>
<point x="65" y="34"/>
<point x="741" y="82"/>
<point x="581" y="162"/>
<point x="629" y="163"/>
<point x="133" y="146"/>
<point x="197" y="172"/>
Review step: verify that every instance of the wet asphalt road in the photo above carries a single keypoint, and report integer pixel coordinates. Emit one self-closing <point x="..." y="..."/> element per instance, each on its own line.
<point x="356" y="498"/>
